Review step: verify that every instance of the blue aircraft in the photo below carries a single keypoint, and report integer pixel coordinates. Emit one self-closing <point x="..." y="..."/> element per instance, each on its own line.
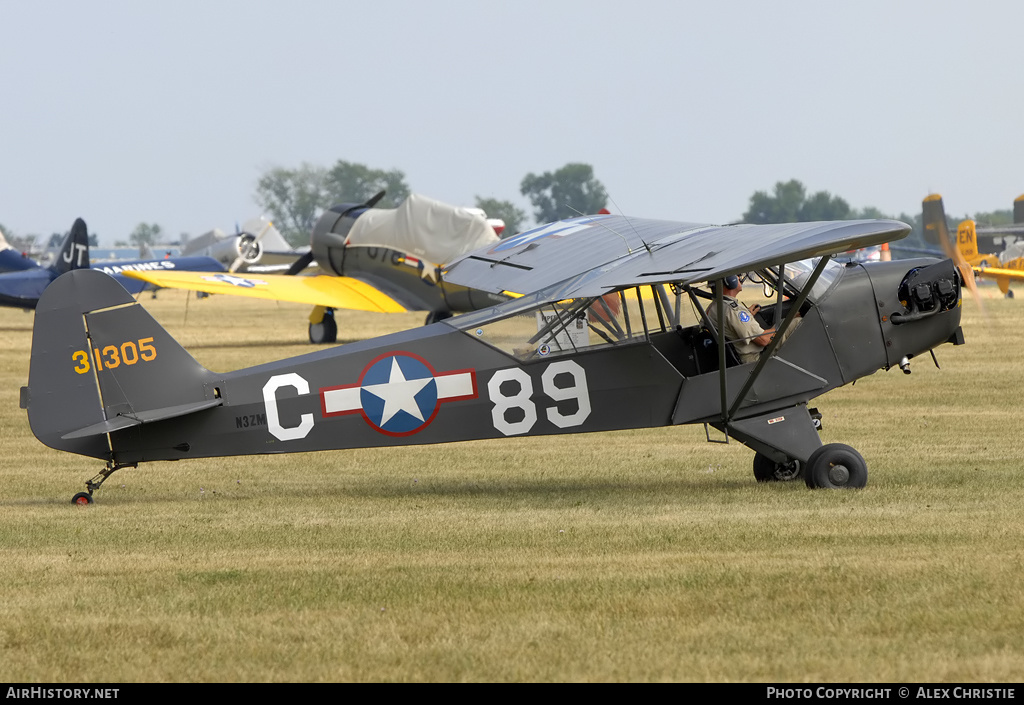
<point x="22" y="289"/>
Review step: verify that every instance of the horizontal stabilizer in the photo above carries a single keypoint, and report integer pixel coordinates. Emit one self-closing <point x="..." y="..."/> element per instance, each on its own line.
<point x="128" y="420"/>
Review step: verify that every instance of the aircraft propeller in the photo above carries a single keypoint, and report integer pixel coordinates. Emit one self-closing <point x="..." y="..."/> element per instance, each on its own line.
<point x="966" y="271"/>
<point x="334" y="239"/>
<point x="249" y="246"/>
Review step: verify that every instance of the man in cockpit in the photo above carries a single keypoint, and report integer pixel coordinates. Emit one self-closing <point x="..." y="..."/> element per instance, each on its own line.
<point x="741" y="327"/>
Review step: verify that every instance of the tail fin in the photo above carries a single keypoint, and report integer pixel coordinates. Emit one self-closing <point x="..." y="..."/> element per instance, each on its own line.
<point x="74" y="251"/>
<point x="1018" y="209"/>
<point x="967" y="240"/>
<point x="100" y="364"/>
<point x="933" y="215"/>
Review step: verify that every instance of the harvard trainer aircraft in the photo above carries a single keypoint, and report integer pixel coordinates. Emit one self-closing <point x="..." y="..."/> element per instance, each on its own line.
<point x="612" y="333"/>
<point x="375" y="259"/>
<point x="22" y="289"/>
<point x="1004" y="267"/>
<point x="258" y="248"/>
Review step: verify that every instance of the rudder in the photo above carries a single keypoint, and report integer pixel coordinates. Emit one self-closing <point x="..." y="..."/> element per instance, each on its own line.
<point x="967" y="240"/>
<point x="100" y="363"/>
<point x="74" y="251"/>
<point x="933" y="216"/>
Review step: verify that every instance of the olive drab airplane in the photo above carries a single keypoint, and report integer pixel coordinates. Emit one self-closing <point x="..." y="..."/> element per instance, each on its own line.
<point x="1004" y="267"/>
<point x="22" y="289"/>
<point x="374" y="259"/>
<point x="610" y="332"/>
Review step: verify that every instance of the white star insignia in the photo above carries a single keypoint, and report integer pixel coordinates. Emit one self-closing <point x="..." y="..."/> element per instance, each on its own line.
<point x="398" y="393"/>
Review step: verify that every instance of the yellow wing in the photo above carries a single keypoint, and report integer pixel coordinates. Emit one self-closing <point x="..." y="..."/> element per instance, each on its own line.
<point x="999" y="272"/>
<point x="320" y="290"/>
<point x="1001" y="275"/>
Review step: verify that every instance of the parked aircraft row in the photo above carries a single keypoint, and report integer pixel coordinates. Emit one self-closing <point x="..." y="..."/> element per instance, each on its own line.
<point x="593" y="323"/>
<point x="22" y="287"/>
<point x="589" y="324"/>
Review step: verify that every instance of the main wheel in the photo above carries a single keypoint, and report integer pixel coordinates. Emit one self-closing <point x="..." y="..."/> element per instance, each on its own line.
<point x="767" y="470"/>
<point x="82" y="499"/>
<point x="836" y="466"/>
<point x="326" y="331"/>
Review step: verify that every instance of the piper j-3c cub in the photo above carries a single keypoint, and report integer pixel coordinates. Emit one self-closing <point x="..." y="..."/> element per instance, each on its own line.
<point x="614" y="334"/>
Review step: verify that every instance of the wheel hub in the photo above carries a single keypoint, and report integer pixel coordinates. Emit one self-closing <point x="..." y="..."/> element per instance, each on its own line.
<point x="787" y="471"/>
<point x="838" y="474"/>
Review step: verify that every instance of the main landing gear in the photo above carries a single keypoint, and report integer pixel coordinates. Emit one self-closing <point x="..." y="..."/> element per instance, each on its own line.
<point x="836" y="466"/>
<point x="84" y="499"/>
<point x="833" y="466"/>
<point x="326" y="330"/>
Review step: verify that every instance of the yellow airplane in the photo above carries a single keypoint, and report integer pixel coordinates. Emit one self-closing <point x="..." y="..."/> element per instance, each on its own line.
<point x="1004" y="267"/>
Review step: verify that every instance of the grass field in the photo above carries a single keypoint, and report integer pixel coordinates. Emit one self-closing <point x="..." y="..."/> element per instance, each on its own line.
<point x="626" y="556"/>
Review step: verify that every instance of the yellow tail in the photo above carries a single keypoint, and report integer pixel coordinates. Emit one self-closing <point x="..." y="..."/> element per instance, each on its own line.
<point x="967" y="240"/>
<point x="967" y="244"/>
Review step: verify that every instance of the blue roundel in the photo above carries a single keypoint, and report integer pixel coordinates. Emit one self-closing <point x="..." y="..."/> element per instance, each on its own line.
<point x="398" y="394"/>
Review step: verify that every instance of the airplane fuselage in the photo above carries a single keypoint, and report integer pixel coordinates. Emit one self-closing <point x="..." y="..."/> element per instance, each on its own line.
<point x="448" y="382"/>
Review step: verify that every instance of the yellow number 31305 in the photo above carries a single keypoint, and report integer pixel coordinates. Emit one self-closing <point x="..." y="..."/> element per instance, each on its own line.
<point x="113" y="356"/>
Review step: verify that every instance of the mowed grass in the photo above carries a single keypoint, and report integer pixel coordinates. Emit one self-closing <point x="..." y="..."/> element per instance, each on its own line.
<point x="627" y="556"/>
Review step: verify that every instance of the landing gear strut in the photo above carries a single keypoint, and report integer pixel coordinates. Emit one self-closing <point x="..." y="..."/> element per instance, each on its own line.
<point x="83" y="499"/>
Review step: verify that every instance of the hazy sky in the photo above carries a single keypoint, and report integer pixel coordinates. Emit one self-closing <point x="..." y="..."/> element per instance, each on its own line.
<point x="129" y="112"/>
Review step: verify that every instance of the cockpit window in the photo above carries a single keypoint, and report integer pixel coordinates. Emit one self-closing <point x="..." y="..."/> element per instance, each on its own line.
<point x="798" y="273"/>
<point x="527" y="329"/>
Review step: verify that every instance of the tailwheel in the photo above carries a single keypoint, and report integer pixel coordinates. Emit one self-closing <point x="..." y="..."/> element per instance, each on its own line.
<point x="85" y="498"/>
<point x="836" y="466"/>
<point x="767" y="470"/>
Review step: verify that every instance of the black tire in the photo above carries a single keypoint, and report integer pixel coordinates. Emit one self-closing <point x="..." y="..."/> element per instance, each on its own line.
<point x="767" y="470"/>
<point x="1009" y="293"/>
<point x="82" y="499"/>
<point x="836" y="466"/>
<point x="326" y="331"/>
<point x="435" y="316"/>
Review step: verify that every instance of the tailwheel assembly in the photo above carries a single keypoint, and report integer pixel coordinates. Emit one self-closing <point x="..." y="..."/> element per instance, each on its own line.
<point x="83" y="499"/>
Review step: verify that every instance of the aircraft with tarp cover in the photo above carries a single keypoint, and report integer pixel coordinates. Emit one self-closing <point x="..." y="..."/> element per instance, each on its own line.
<point x="372" y="259"/>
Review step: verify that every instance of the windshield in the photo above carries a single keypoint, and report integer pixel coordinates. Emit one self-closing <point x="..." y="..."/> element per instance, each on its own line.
<point x="797" y="274"/>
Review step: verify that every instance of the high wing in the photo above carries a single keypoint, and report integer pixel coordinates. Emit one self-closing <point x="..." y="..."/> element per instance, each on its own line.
<point x="592" y="255"/>
<point x="320" y="290"/>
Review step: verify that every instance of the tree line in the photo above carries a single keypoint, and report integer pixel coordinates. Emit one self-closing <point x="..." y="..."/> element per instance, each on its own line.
<point x="295" y="198"/>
